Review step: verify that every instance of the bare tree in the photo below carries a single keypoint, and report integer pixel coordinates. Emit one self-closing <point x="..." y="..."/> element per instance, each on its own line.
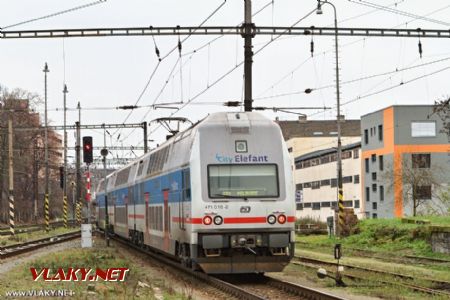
<point x="442" y="109"/>
<point x="28" y="153"/>
<point x="421" y="181"/>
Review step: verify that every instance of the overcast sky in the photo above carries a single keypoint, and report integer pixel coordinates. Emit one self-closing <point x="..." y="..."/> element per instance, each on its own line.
<point x="112" y="71"/>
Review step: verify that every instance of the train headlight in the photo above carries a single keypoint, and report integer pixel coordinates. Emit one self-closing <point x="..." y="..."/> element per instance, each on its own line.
<point x="271" y="219"/>
<point x="281" y="219"/>
<point x="218" y="220"/>
<point x="207" y="220"/>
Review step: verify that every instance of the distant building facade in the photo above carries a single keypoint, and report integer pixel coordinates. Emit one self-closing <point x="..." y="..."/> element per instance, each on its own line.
<point x="311" y="144"/>
<point x="397" y="141"/>
<point x="316" y="182"/>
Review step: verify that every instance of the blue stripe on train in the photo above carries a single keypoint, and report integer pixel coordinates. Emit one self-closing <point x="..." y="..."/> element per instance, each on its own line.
<point x="172" y="182"/>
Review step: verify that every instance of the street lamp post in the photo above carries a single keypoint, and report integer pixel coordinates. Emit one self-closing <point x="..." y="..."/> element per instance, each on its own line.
<point x="65" y="91"/>
<point x="338" y="99"/>
<point x="46" y="200"/>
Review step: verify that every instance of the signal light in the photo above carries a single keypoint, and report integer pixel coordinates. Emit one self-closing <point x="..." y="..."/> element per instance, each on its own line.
<point x="281" y="219"/>
<point x="61" y="177"/>
<point x="271" y="219"/>
<point x="207" y="220"/>
<point x="87" y="149"/>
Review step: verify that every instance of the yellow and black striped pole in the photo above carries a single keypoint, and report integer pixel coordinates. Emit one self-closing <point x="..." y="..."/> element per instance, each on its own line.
<point x="65" y="211"/>
<point x="11" y="175"/>
<point x="79" y="212"/>
<point x="11" y="213"/>
<point x="47" y="214"/>
<point x="341" y="215"/>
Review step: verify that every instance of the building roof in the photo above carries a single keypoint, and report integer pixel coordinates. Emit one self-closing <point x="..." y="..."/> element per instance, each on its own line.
<point x="399" y="105"/>
<point x="318" y="128"/>
<point x="319" y="153"/>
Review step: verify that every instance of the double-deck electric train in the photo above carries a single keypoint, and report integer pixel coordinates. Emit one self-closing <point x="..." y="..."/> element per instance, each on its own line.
<point x="219" y="196"/>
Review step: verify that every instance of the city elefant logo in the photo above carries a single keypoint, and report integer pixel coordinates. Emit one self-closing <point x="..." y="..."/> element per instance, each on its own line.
<point x="241" y="158"/>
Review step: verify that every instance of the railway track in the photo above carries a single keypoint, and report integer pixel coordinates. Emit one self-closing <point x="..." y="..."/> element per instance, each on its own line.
<point x="16" y="249"/>
<point x="441" y="288"/>
<point x="229" y="285"/>
<point x="404" y="259"/>
<point x="4" y="231"/>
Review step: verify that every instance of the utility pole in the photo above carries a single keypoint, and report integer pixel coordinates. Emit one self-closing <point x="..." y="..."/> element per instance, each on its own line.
<point x="35" y="179"/>
<point x="46" y="200"/>
<point x="78" y="162"/>
<point x="248" y="33"/>
<point x="104" y="153"/>
<point x="11" y="175"/>
<point x="341" y="217"/>
<point x="65" y="91"/>
<point x="144" y="126"/>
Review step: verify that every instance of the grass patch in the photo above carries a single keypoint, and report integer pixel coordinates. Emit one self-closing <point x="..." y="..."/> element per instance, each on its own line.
<point x="387" y="235"/>
<point x="138" y="283"/>
<point x="35" y="235"/>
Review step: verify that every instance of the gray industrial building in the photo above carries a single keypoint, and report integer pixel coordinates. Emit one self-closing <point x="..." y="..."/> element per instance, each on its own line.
<point x="405" y="160"/>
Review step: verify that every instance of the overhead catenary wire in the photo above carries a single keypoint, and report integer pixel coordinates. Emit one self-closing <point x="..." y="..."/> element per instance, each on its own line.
<point x="399" y="12"/>
<point x="354" y="80"/>
<point x="402" y="83"/>
<point x="54" y="14"/>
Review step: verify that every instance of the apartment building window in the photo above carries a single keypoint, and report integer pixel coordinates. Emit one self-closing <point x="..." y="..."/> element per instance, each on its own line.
<point x="374" y="205"/>
<point x="381" y="162"/>
<point x="380" y="132"/>
<point x="356" y="203"/>
<point x="325" y="159"/>
<point x="421" y="161"/>
<point x="367" y="165"/>
<point x="316" y="206"/>
<point x="356" y="179"/>
<point x="423" y="192"/>
<point x="299" y="206"/>
<point x="374" y="157"/>
<point x="346" y="154"/>
<point x="423" y="129"/>
<point x="307" y="185"/>
<point x="348" y="203"/>
<point x="356" y="153"/>
<point x="333" y="204"/>
<point x="366" y="136"/>
<point x="374" y="176"/>
<point x="333" y="182"/>
<point x="374" y="216"/>
<point x="374" y="187"/>
<point x="325" y="182"/>
<point x="381" y="193"/>
<point x="315" y="185"/>
<point x="299" y="187"/>
<point x="326" y="204"/>
<point x="367" y="193"/>
<point x="307" y="205"/>
<point x="347" y="179"/>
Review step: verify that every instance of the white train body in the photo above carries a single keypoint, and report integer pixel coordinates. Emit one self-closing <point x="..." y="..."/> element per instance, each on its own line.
<point x="218" y="196"/>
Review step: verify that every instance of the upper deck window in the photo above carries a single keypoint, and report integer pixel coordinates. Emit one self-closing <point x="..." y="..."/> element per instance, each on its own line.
<point x="243" y="181"/>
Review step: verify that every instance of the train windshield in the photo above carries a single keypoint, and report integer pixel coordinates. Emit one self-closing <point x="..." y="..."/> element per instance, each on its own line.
<point x="243" y="181"/>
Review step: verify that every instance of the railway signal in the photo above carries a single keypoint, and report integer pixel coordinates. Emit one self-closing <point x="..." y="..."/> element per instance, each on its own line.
<point x="87" y="149"/>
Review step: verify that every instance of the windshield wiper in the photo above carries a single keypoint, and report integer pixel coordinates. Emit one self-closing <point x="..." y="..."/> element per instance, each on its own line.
<point x="230" y="196"/>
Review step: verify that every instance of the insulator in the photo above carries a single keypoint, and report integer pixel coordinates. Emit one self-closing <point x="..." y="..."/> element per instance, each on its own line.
<point x="179" y="46"/>
<point x="420" y="49"/>
<point x="312" y="48"/>
<point x="157" y="51"/>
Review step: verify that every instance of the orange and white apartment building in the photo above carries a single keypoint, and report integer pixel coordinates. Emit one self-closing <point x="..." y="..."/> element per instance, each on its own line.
<point x="398" y="137"/>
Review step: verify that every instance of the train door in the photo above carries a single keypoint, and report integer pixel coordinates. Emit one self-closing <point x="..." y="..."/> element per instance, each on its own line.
<point x="147" y="218"/>
<point x="166" y="214"/>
